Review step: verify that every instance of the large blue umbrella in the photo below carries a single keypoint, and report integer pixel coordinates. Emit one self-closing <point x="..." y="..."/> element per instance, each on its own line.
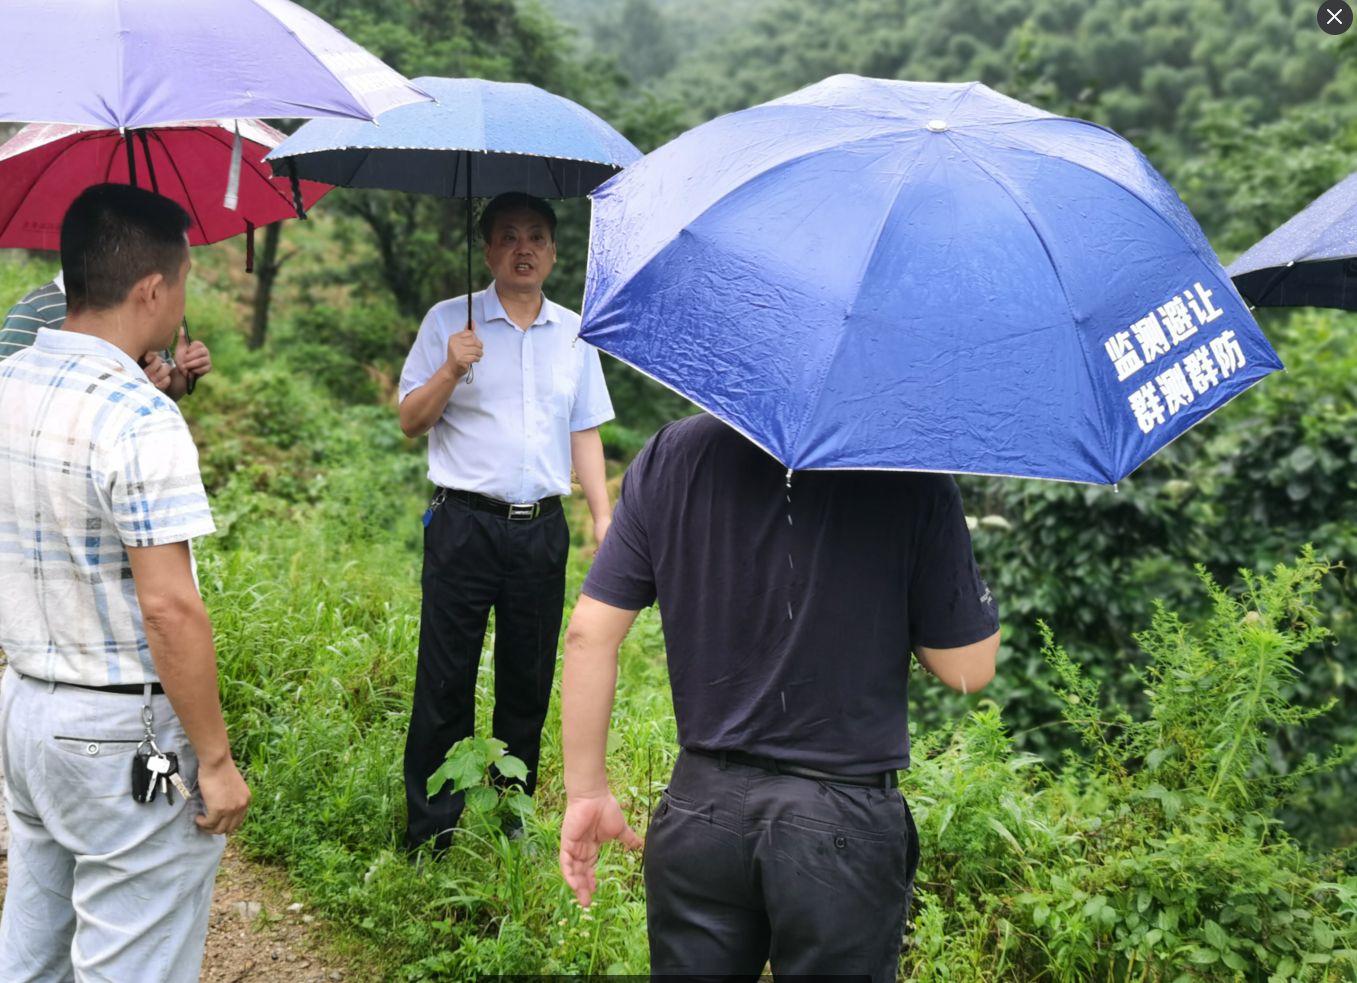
<point x="1310" y="261"/>
<point x="920" y="276"/>
<point x="142" y="63"/>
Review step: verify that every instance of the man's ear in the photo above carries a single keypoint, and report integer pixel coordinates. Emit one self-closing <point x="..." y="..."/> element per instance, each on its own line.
<point x="147" y="291"/>
<point x="155" y="289"/>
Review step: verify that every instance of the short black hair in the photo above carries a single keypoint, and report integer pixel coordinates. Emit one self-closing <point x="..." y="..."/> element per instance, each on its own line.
<point x="114" y="235"/>
<point x="508" y="202"/>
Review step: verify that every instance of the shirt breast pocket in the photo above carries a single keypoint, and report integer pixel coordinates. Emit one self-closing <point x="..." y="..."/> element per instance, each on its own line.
<point x="564" y="379"/>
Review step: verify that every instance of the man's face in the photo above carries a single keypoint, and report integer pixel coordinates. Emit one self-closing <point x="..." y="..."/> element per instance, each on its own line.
<point x="520" y="252"/>
<point x="176" y="298"/>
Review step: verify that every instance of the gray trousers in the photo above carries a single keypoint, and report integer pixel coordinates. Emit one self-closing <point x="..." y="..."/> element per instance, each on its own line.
<point x="101" y="889"/>
<point x="743" y="866"/>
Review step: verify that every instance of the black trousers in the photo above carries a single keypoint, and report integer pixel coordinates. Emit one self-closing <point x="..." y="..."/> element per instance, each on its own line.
<point x="475" y="561"/>
<point x="744" y="866"/>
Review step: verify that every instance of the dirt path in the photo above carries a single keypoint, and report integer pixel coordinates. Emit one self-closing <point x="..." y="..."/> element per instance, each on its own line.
<point x="253" y="936"/>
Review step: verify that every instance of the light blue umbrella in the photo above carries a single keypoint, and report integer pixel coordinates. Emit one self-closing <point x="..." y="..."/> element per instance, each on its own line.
<point x="480" y="139"/>
<point x="920" y="276"/>
<point x="1310" y="260"/>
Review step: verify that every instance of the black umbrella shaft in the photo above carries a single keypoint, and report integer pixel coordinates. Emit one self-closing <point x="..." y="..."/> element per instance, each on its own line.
<point x="471" y="370"/>
<point x="468" y="236"/>
<point x="150" y="168"/>
<point x="131" y="158"/>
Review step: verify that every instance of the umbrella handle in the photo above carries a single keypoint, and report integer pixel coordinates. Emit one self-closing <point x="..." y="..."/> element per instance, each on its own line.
<point x="296" y="188"/>
<point x="189" y="380"/>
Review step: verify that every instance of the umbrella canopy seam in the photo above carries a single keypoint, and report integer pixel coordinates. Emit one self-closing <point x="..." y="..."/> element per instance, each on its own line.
<point x="606" y="189"/>
<point x="868" y="256"/>
<point x="1064" y="290"/>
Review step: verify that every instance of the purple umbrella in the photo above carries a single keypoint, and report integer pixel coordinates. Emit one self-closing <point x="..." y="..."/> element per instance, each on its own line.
<point x="140" y="63"/>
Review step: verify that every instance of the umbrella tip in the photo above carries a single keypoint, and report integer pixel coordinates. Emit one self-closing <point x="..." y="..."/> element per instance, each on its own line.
<point x="937" y="125"/>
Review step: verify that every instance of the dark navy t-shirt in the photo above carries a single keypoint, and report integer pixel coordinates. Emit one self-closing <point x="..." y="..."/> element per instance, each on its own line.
<point x="789" y="624"/>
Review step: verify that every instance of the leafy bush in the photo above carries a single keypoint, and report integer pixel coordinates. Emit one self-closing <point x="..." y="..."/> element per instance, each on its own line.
<point x="1246" y="488"/>
<point x="468" y="766"/>
<point x="1159" y="857"/>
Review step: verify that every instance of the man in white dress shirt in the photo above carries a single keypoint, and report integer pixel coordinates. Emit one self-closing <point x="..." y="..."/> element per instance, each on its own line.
<point x="502" y="443"/>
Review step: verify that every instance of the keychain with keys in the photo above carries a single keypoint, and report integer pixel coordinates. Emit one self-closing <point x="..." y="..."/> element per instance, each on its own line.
<point x="153" y="769"/>
<point x="438" y="498"/>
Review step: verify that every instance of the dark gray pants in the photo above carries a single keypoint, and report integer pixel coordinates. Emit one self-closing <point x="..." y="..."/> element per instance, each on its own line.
<point x="744" y="866"/>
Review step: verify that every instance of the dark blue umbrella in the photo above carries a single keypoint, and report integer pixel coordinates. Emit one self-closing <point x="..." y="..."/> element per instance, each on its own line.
<point x="920" y="276"/>
<point x="1310" y="261"/>
<point x="480" y="139"/>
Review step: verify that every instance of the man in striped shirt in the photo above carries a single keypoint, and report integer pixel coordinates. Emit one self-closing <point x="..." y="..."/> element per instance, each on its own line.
<point x="45" y="307"/>
<point x="109" y="644"/>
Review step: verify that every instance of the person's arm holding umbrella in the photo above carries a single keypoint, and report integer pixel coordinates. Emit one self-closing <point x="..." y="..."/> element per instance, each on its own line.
<point x="420" y="410"/>
<point x="172" y="376"/>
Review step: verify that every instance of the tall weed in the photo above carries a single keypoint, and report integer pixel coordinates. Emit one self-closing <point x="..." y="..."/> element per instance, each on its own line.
<point x="1159" y="856"/>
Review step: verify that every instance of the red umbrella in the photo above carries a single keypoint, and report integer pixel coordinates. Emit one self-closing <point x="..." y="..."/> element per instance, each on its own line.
<point x="45" y="166"/>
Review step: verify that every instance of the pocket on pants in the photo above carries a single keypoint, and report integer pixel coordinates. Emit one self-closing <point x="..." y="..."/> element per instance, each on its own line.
<point x="89" y="769"/>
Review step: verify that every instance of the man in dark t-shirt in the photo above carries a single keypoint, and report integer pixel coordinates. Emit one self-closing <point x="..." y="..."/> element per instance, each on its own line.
<point x="791" y="606"/>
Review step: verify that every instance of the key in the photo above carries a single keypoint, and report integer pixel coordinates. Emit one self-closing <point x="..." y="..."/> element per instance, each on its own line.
<point x="159" y="766"/>
<point x="172" y="777"/>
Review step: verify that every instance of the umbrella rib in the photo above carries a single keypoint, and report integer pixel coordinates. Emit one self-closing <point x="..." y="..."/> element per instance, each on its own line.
<point x="866" y="263"/>
<point x="1069" y="306"/>
<point x="38" y="177"/>
<point x="219" y="135"/>
<point x="350" y="96"/>
<point x="184" y="184"/>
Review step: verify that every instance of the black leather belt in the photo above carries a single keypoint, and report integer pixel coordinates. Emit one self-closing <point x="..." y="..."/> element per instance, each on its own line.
<point x="124" y="689"/>
<point x="518" y="511"/>
<point x="882" y="779"/>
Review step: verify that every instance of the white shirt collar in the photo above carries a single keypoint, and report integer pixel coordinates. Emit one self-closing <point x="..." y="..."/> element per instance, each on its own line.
<point x="78" y="343"/>
<point x="60" y="280"/>
<point x="494" y="310"/>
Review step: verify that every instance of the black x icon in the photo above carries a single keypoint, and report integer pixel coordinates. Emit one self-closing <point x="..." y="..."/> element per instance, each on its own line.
<point x="1335" y="16"/>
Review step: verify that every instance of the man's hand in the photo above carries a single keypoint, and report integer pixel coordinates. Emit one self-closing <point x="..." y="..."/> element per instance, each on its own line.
<point x="193" y="359"/>
<point x="464" y="350"/>
<point x="589" y="823"/>
<point x="601" y="526"/>
<point x="225" y="795"/>
<point x="156" y="370"/>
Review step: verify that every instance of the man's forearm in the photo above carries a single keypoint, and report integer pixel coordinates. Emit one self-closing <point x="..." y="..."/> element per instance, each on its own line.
<point x="423" y="407"/>
<point x="186" y="661"/>
<point x="586" y="453"/>
<point x="588" y="688"/>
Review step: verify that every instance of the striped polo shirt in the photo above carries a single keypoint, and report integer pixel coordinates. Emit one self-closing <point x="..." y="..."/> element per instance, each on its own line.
<point x="42" y="307"/>
<point x="93" y="460"/>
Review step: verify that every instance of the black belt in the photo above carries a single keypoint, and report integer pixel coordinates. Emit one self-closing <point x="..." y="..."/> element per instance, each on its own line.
<point x="518" y="511"/>
<point x="882" y="779"/>
<point x="123" y="689"/>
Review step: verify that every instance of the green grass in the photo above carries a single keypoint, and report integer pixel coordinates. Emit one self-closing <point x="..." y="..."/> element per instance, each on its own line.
<point x="316" y="639"/>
